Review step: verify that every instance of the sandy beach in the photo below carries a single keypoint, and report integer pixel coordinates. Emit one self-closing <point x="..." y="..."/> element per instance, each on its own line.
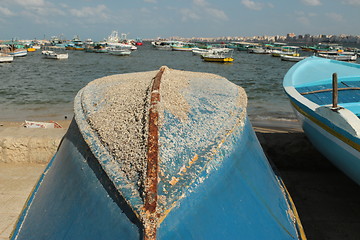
<point x="327" y="201"/>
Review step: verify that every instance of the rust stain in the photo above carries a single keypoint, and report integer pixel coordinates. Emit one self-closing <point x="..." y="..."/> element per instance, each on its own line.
<point x="192" y="161"/>
<point x="151" y="195"/>
<point x="173" y="181"/>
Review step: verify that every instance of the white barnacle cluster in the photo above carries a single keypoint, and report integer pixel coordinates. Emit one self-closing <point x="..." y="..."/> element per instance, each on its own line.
<point x="173" y="84"/>
<point x="205" y="110"/>
<point x="120" y="118"/>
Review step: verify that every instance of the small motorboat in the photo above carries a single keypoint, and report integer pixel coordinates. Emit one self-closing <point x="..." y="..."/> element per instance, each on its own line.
<point x="291" y="58"/>
<point x="6" y="58"/>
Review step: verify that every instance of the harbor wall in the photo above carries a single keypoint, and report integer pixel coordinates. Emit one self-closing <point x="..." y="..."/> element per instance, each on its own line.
<point x="29" y="145"/>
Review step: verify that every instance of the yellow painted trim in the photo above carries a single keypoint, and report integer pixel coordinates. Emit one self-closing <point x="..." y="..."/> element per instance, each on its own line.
<point x="336" y="134"/>
<point x="209" y="59"/>
<point x="298" y="224"/>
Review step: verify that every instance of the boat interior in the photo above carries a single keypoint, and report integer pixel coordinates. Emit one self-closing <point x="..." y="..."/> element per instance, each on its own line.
<point x="321" y="93"/>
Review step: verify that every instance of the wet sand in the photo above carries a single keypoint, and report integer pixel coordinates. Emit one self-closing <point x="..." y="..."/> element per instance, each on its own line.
<point x="327" y="201"/>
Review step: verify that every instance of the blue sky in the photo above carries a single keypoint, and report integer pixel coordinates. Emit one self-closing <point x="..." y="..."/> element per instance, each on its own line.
<point x="29" y="19"/>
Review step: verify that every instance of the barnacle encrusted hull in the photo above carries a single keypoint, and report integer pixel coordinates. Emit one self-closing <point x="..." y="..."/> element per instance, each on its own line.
<point x="162" y="154"/>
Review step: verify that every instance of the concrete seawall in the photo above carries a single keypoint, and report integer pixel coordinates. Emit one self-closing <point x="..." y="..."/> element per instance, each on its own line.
<point x="29" y="145"/>
<point x="24" y="154"/>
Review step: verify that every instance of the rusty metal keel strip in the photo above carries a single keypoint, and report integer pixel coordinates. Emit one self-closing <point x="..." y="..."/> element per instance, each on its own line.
<point x="152" y="162"/>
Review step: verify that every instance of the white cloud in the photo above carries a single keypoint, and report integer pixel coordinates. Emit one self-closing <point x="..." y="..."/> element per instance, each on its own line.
<point x="98" y="11"/>
<point x="312" y="2"/>
<point x="202" y="10"/>
<point x="30" y="3"/>
<point x="200" y="2"/>
<point x="219" y="14"/>
<point x="255" y="5"/>
<point x="335" y="16"/>
<point x="188" y="14"/>
<point x="304" y="17"/>
<point x="145" y="10"/>
<point x="33" y="8"/>
<point x="150" y="1"/>
<point x="352" y="2"/>
<point x="6" y="12"/>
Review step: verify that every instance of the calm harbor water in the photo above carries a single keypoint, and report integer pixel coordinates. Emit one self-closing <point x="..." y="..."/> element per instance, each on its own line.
<point x="35" y="88"/>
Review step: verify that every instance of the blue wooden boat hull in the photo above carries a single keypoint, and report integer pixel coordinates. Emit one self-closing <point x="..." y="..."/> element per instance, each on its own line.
<point x="335" y="133"/>
<point x="226" y="190"/>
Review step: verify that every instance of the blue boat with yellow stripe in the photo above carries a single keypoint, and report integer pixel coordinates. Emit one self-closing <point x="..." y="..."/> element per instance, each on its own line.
<point x="162" y="154"/>
<point x="325" y="95"/>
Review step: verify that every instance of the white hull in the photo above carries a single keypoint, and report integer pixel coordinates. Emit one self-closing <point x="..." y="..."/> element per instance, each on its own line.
<point x="54" y="55"/>
<point x="339" y="57"/>
<point x="291" y="58"/>
<point x="334" y="131"/>
<point x="5" y="58"/>
<point x="119" y="52"/>
<point x="342" y="155"/>
<point x="18" y="53"/>
<point x="57" y="56"/>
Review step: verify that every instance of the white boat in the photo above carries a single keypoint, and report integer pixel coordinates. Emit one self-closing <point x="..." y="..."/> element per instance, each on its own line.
<point x="18" y="52"/>
<point x="291" y="58"/>
<point x="114" y="41"/>
<point x="199" y="51"/>
<point x="218" y="57"/>
<point x="54" y="55"/>
<point x="215" y="51"/>
<point x="259" y="50"/>
<point x="286" y="50"/>
<point x="6" y="58"/>
<point x="184" y="47"/>
<point x="203" y="52"/>
<point x="119" y="50"/>
<point x="164" y="45"/>
<point x="324" y="94"/>
<point x="340" y="56"/>
<point x="54" y="52"/>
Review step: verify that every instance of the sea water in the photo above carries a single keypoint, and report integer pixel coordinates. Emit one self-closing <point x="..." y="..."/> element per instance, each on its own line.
<point x="36" y="88"/>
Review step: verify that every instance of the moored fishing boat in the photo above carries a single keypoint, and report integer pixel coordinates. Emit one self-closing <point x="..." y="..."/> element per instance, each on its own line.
<point x="211" y="51"/>
<point x="286" y="50"/>
<point x="72" y="46"/>
<point x="100" y="49"/>
<point x="291" y="58"/>
<point x="338" y="55"/>
<point x="164" y="44"/>
<point x="6" y="58"/>
<point x="31" y="49"/>
<point x="75" y="44"/>
<point x="218" y="56"/>
<point x="54" y="55"/>
<point x="53" y="52"/>
<point x="18" y="52"/>
<point x="184" y="47"/>
<point x="328" y="108"/>
<point x="138" y="42"/>
<point x="199" y="51"/>
<point x="162" y="154"/>
<point x="120" y="50"/>
<point x="259" y="50"/>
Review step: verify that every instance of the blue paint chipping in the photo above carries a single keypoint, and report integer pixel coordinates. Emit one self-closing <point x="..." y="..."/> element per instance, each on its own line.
<point x="72" y="203"/>
<point x="234" y="201"/>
